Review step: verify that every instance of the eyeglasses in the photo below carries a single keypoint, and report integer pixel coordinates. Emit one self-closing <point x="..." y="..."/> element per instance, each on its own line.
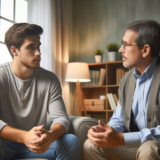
<point x="128" y="45"/>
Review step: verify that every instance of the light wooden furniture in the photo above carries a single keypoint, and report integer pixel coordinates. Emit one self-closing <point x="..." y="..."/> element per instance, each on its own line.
<point x="78" y="72"/>
<point x="94" y="92"/>
<point x="80" y="104"/>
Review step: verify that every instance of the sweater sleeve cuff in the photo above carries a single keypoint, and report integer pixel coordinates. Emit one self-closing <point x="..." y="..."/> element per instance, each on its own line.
<point x="2" y="124"/>
<point x="132" y="139"/>
<point x="63" y="123"/>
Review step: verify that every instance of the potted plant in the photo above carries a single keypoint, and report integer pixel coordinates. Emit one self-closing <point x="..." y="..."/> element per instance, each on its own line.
<point x="98" y="55"/>
<point x="112" y="51"/>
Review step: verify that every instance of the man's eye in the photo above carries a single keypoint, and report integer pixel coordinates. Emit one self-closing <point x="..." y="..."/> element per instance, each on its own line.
<point x="30" y="47"/>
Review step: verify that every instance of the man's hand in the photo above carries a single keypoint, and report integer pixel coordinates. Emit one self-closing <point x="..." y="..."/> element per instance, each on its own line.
<point x="41" y="144"/>
<point x="47" y="137"/>
<point x="108" y="138"/>
<point x="32" y="135"/>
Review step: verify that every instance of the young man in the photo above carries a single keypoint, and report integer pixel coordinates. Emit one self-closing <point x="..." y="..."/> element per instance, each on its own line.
<point x="133" y="132"/>
<point x="27" y="93"/>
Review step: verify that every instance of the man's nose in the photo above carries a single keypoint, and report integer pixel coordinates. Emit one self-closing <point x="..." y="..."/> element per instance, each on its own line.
<point x="121" y="49"/>
<point x="38" y="53"/>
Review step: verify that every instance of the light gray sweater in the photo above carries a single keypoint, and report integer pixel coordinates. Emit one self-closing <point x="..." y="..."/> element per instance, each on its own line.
<point x="24" y="103"/>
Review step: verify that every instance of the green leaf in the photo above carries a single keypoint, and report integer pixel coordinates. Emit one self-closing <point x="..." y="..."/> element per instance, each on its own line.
<point x="113" y="47"/>
<point x="99" y="52"/>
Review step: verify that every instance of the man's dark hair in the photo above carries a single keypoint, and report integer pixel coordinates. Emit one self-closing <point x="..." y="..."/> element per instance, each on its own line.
<point x="18" y="32"/>
<point x="148" y="33"/>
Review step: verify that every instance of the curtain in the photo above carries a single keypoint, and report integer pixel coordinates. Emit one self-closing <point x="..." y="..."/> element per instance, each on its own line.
<point x="52" y="16"/>
<point x="39" y="13"/>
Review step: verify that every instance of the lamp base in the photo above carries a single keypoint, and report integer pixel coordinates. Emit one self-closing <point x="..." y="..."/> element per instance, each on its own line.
<point x="80" y="102"/>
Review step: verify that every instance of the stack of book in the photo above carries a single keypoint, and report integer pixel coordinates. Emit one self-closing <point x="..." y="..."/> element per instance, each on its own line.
<point x="113" y="100"/>
<point x="98" y="78"/>
<point x="120" y="72"/>
<point x="94" y="76"/>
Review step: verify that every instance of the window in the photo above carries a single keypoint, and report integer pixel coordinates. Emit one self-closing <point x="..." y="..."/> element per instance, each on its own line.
<point x="11" y="11"/>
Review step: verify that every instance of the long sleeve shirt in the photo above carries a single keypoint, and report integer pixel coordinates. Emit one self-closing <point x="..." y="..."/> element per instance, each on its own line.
<point x="139" y="108"/>
<point x="25" y="104"/>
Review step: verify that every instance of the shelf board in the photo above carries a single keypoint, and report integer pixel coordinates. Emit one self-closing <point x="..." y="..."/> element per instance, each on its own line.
<point x="109" y="110"/>
<point x="104" y="86"/>
<point x="104" y="63"/>
<point x="98" y="110"/>
<point x="115" y="85"/>
<point x="94" y="110"/>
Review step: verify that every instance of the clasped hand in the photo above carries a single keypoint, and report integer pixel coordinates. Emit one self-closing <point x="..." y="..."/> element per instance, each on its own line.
<point x="38" y="139"/>
<point x="106" y="137"/>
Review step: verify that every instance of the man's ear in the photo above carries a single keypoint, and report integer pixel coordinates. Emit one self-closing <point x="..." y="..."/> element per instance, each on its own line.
<point x="14" y="50"/>
<point x="146" y="50"/>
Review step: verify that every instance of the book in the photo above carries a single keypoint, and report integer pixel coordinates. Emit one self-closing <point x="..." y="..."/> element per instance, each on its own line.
<point x="115" y="98"/>
<point x="120" y="75"/>
<point x="109" y="100"/>
<point x="112" y="101"/>
<point x="97" y="77"/>
<point x="102" y="76"/>
<point x="93" y="78"/>
<point x="117" y="75"/>
<point x="122" y="72"/>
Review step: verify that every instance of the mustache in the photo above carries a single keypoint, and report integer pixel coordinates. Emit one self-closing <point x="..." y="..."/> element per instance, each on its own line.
<point x="124" y="57"/>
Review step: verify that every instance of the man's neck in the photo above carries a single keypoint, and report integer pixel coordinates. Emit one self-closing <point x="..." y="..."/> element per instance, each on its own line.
<point x="142" y="67"/>
<point x="21" y="71"/>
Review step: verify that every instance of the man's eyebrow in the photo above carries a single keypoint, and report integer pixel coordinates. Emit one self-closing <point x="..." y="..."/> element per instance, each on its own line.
<point x="32" y="44"/>
<point x="123" y="41"/>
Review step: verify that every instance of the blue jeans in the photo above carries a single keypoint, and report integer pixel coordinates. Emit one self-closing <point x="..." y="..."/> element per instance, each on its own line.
<point x="66" y="147"/>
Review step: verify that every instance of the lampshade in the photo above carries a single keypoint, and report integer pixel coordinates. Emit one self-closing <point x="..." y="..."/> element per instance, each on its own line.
<point x="77" y="71"/>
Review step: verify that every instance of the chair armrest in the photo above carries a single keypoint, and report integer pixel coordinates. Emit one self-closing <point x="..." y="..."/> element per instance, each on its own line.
<point x="78" y="126"/>
<point x="79" y="129"/>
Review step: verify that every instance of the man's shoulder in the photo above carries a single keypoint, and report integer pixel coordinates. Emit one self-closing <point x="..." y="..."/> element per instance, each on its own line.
<point x="44" y="74"/>
<point x="127" y="79"/>
<point x="4" y="68"/>
<point x="4" y="65"/>
<point x="128" y="75"/>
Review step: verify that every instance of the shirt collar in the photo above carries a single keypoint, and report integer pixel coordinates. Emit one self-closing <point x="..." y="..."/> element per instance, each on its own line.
<point x="148" y="71"/>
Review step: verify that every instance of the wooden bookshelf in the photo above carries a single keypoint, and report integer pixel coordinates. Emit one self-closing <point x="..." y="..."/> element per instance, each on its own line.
<point x="94" y="91"/>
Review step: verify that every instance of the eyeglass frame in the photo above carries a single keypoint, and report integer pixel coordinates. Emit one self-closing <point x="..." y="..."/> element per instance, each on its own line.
<point x="128" y="45"/>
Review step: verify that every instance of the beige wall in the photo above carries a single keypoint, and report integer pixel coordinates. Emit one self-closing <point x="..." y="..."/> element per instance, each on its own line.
<point x="95" y="23"/>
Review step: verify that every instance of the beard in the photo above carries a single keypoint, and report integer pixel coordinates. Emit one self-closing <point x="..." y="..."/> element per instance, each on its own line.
<point x="128" y="64"/>
<point x="31" y="65"/>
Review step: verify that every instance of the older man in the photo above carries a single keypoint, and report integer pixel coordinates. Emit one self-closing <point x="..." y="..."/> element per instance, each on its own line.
<point x="133" y="132"/>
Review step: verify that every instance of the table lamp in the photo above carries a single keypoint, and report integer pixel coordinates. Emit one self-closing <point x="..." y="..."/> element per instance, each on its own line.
<point x="78" y="72"/>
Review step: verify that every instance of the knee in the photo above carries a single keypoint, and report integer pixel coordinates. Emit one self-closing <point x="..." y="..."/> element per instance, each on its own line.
<point x="71" y="141"/>
<point x="68" y="147"/>
<point x="87" y="146"/>
<point x="147" y="150"/>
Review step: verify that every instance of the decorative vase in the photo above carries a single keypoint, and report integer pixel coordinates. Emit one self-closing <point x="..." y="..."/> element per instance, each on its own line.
<point x="112" y="56"/>
<point x="98" y="58"/>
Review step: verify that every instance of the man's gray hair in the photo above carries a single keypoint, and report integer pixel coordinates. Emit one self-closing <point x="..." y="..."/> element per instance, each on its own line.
<point x="148" y="33"/>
